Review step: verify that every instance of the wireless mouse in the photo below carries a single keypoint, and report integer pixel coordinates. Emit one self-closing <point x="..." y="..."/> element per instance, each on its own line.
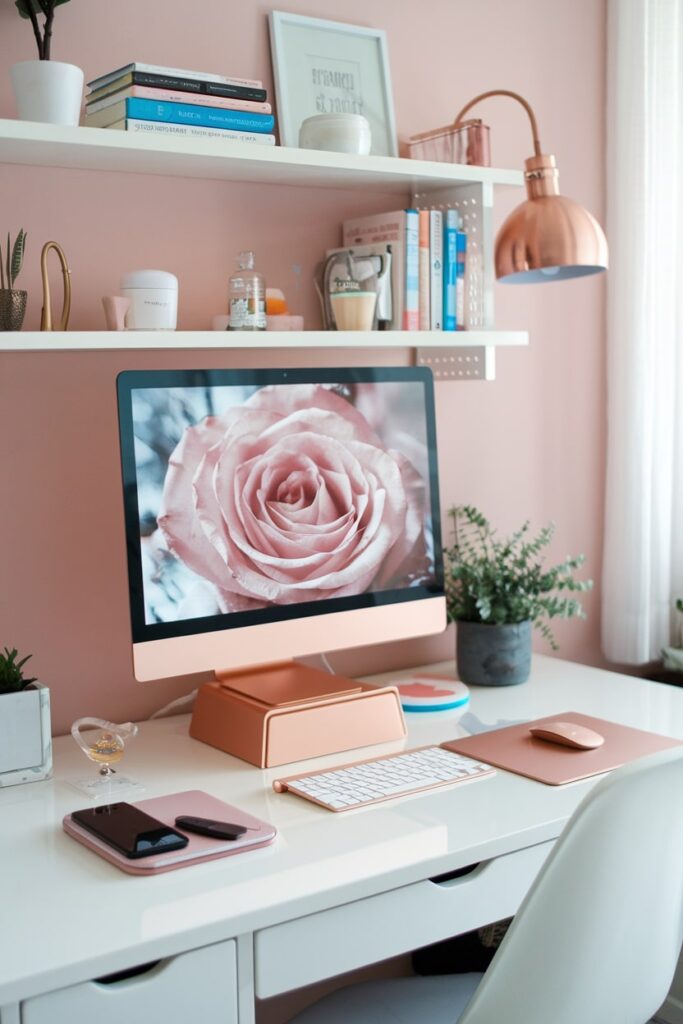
<point x="567" y="734"/>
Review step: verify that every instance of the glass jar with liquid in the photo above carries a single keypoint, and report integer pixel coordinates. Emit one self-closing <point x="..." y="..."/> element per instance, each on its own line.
<point x="246" y="297"/>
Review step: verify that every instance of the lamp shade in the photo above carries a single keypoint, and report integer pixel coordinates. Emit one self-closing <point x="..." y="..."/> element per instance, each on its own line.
<point x="548" y="237"/>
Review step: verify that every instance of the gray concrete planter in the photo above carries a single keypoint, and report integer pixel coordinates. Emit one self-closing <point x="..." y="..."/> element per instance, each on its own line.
<point x="489" y="655"/>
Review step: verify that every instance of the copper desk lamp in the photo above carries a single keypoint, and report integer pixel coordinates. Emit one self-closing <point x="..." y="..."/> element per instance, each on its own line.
<point x="548" y="237"/>
<point x="46" y="323"/>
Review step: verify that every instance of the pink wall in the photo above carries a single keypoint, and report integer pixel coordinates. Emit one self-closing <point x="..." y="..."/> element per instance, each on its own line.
<point x="529" y="445"/>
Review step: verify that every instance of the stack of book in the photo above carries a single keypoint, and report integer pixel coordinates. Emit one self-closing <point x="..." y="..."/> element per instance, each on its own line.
<point x="148" y="99"/>
<point x="429" y="255"/>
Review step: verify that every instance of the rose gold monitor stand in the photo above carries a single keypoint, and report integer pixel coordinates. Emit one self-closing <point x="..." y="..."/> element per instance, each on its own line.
<point x="277" y="713"/>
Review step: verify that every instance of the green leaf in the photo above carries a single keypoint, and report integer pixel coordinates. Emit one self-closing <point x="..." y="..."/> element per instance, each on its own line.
<point x="17" y="256"/>
<point x="23" y="6"/>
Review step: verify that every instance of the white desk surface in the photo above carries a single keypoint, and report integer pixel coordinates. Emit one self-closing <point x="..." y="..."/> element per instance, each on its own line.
<point x="67" y="915"/>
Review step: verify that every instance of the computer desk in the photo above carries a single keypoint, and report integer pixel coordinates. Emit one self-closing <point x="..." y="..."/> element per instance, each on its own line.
<point x="334" y="892"/>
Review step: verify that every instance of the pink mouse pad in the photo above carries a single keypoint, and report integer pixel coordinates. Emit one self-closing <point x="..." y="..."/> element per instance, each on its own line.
<point x="516" y="750"/>
<point x="166" y="809"/>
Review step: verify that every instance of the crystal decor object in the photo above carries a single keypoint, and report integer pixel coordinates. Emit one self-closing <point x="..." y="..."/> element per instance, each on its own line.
<point x="103" y="743"/>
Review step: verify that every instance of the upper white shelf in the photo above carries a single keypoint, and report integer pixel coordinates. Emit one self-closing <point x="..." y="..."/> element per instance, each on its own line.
<point x="29" y="142"/>
<point x="51" y="341"/>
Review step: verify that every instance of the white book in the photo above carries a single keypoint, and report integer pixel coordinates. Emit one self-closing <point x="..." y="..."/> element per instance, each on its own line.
<point x="189" y="130"/>
<point x="156" y="69"/>
<point x="436" y="269"/>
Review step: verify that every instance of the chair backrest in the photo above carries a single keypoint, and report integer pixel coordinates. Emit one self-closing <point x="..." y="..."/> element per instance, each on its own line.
<point x="597" y="938"/>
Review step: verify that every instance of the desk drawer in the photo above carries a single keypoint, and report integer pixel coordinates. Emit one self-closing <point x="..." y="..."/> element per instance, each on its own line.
<point x="322" y="945"/>
<point x="197" y="986"/>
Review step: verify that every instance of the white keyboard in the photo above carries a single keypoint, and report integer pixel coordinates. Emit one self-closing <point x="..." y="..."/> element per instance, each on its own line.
<point x="369" y="782"/>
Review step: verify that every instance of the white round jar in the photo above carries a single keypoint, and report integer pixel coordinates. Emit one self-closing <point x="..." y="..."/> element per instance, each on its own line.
<point x="339" y="133"/>
<point x="153" y="298"/>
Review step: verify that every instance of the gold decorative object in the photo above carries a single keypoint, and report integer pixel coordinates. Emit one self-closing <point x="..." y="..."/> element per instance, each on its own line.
<point x="46" y="314"/>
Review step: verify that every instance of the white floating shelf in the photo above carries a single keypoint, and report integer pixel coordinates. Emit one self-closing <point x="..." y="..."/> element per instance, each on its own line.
<point x="29" y="142"/>
<point x="83" y="341"/>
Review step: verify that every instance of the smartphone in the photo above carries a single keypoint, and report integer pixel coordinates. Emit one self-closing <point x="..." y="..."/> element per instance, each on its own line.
<point x="129" y="830"/>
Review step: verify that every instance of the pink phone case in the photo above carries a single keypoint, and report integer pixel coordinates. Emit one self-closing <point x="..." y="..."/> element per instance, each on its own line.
<point x="200" y="848"/>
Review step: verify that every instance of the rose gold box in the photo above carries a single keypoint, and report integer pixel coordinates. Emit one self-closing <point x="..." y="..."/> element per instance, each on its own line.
<point x="289" y="712"/>
<point x="464" y="143"/>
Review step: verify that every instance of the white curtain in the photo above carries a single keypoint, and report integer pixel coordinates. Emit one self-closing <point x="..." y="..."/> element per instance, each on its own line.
<point x="643" y="554"/>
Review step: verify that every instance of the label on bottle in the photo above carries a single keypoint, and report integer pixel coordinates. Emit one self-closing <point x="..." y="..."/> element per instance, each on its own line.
<point x="247" y="314"/>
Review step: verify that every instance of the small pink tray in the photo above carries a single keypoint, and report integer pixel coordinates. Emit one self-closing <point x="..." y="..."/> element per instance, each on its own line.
<point x="200" y="848"/>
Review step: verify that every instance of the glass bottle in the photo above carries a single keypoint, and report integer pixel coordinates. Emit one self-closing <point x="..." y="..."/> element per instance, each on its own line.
<point x="246" y="297"/>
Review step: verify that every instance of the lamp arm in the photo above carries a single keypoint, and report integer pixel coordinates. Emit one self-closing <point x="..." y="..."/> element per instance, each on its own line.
<point x="514" y="96"/>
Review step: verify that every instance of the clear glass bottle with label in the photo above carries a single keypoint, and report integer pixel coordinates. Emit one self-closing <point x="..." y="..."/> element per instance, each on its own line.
<point x="246" y="297"/>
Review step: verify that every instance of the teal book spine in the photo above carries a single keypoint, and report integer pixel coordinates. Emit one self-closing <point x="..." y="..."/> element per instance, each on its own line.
<point x="190" y="113"/>
<point x="450" y="260"/>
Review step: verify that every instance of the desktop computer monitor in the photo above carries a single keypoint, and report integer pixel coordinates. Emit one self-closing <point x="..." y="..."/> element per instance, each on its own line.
<point x="273" y="514"/>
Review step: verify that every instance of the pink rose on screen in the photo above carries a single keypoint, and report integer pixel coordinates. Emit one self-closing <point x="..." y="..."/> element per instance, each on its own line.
<point x="292" y="497"/>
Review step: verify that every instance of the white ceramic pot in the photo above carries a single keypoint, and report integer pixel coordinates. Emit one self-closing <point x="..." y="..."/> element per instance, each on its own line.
<point x="341" y="133"/>
<point x="25" y="738"/>
<point x="48" y="91"/>
<point x="153" y="296"/>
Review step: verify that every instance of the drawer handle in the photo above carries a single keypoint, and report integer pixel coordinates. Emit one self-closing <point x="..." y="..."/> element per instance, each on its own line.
<point x="451" y="876"/>
<point x="130" y="972"/>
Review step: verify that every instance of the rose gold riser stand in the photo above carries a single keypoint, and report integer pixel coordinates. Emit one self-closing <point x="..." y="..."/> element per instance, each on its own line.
<point x="275" y="714"/>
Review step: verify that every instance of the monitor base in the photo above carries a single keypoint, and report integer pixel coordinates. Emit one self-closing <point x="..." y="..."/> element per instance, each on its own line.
<point x="272" y="715"/>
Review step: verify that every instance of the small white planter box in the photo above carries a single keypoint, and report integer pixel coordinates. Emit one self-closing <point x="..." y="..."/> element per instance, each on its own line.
<point x="25" y="736"/>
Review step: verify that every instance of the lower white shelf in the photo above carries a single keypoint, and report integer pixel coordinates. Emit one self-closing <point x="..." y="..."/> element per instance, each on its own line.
<point x="51" y="341"/>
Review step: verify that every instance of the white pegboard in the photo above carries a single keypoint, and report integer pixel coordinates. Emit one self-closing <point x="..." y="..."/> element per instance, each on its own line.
<point x="474" y="362"/>
<point x="474" y="203"/>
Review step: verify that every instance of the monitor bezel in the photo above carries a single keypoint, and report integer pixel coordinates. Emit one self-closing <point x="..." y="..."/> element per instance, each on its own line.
<point x="131" y="380"/>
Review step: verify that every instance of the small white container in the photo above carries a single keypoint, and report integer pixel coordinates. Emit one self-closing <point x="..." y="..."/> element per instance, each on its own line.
<point x="340" y="133"/>
<point x="153" y="298"/>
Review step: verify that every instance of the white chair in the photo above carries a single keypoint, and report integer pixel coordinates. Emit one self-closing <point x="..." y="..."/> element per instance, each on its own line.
<point x="596" y="939"/>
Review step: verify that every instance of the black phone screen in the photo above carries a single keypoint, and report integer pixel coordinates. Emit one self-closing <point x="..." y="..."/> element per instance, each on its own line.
<point x="130" y="830"/>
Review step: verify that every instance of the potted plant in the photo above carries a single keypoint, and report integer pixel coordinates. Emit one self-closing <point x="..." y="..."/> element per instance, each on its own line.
<point x="12" y="300"/>
<point x="497" y="590"/>
<point x="25" y="740"/>
<point x="46" y="90"/>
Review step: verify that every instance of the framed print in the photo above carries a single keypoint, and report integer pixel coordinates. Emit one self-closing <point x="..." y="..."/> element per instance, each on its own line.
<point x="327" y="67"/>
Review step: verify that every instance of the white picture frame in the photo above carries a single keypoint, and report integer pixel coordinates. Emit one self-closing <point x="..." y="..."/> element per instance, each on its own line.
<point x="322" y="66"/>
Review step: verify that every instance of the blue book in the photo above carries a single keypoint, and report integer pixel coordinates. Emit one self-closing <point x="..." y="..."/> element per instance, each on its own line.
<point x="450" y="260"/>
<point x="191" y="113"/>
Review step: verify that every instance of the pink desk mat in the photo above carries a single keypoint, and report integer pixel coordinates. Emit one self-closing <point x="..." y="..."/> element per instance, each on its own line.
<point x="515" y="750"/>
<point x="200" y="848"/>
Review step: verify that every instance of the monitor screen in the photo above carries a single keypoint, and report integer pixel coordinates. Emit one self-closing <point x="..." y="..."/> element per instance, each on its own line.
<point x="262" y="496"/>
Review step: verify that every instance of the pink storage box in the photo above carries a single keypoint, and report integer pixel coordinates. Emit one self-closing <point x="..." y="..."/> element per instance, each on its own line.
<point x="464" y="143"/>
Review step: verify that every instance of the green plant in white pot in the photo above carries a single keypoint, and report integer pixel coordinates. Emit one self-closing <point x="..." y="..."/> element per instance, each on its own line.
<point x="25" y="735"/>
<point x="44" y="89"/>
<point x="12" y="300"/>
<point x="497" y="590"/>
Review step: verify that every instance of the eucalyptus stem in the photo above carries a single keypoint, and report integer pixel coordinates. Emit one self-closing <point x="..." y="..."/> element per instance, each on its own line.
<point x="36" y="29"/>
<point x="49" y="8"/>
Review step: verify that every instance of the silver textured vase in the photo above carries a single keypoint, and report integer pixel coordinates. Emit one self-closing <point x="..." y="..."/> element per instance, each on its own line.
<point x="12" y="309"/>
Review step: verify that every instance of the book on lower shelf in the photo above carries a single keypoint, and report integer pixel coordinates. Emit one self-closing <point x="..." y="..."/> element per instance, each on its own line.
<point x="428" y="270"/>
<point x="151" y="128"/>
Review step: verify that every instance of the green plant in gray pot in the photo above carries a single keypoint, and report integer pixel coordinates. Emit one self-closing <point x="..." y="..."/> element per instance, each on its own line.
<point x="25" y="734"/>
<point x="12" y="300"/>
<point x="497" y="589"/>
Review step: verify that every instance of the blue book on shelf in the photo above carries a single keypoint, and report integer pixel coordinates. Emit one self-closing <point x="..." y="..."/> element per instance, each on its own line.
<point x="191" y="113"/>
<point x="450" y="259"/>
